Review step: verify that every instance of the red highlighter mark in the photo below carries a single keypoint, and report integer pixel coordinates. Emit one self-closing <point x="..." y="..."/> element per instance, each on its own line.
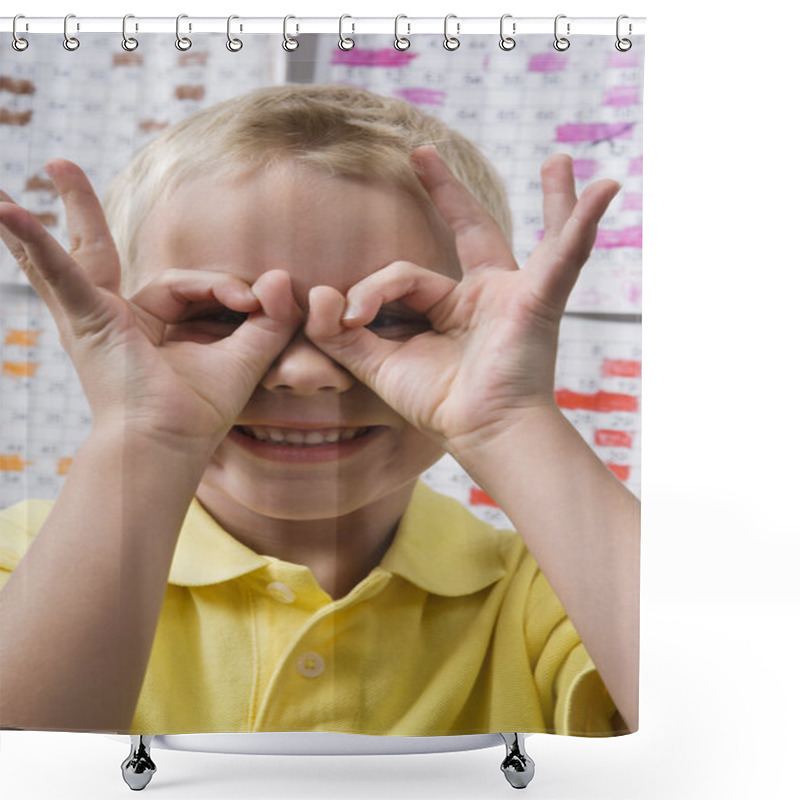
<point x="599" y="401"/>
<point x="422" y="96"/>
<point x="609" y="438"/>
<point x="386" y="57"/>
<point x="620" y="368"/>
<point x="477" y="497"/>
<point x="621" y="96"/>
<point x="546" y="62"/>
<point x="622" y="472"/>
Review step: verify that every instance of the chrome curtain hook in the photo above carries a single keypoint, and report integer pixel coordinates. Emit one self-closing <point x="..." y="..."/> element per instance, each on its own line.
<point x="623" y="45"/>
<point x="18" y="43"/>
<point x="507" y="42"/>
<point x="451" y="42"/>
<point x="233" y="44"/>
<point x="561" y="43"/>
<point x="401" y="42"/>
<point x="70" y="42"/>
<point x="346" y="42"/>
<point x="182" y="42"/>
<point x="129" y="43"/>
<point x="290" y="43"/>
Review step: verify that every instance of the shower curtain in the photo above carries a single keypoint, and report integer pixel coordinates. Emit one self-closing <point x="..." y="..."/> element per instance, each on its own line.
<point x="304" y="579"/>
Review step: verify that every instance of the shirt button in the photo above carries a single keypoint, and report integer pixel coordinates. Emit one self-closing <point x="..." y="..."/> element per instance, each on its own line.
<point x="280" y="592"/>
<point x="311" y="665"/>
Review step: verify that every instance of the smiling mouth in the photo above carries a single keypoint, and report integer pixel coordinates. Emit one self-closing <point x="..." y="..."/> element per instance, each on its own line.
<point x="294" y="437"/>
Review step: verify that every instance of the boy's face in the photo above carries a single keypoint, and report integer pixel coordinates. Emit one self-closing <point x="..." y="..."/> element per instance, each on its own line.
<point x="312" y="442"/>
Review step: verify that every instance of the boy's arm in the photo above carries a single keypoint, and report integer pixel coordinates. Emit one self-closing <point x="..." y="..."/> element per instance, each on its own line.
<point x="582" y="527"/>
<point x="79" y="613"/>
<point x="480" y="381"/>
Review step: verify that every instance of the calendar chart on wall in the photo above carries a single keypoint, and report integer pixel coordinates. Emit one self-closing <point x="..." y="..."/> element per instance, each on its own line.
<point x="101" y="104"/>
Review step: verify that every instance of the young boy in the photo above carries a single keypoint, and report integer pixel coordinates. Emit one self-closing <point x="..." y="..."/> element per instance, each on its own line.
<point x="314" y="309"/>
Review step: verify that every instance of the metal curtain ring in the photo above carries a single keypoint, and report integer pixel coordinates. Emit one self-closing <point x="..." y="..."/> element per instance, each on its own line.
<point x="70" y="42"/>
<point x="561" y="43"/>
<point x="290" y="44"/>
<point x="18" y="43"/>
<point x="129" y="43"/>
<point x="623" y="45"/>
<point x="401" y="42"/>
<point x="507" y="42"/>
<point x="182" y="42"/>
<point x="345" y="42"/>
<point x="233" y="44"/>
<point x="451" y="42"/>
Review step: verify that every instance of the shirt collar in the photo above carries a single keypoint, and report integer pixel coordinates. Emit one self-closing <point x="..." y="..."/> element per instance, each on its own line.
<point x="207" y="554"/>
<point x="439" y="546"/>
<point x="443" y="548"/>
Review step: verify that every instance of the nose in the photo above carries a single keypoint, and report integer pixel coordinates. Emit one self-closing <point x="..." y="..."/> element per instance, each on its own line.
<point x="304" y="369"/>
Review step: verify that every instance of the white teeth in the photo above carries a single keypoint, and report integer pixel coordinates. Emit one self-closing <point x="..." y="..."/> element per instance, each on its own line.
<point x="294" y="437"/>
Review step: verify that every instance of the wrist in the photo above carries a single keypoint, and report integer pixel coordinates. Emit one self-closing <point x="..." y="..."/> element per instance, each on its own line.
<point x="149" y="451"/>
<point x="517" y="430"/>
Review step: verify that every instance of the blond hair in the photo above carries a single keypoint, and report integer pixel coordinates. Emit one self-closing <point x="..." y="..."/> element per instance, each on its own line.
<point x="340" y="129"/>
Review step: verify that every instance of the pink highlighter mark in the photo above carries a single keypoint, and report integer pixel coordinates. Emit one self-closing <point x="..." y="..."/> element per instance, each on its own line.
<point x="635" y="166"/>
<point x="620" y="96"/>
<point x="593" y="131"/>
<point x="584" y="168"/>
<point x="624" y="237"/>
<point x="632" y="201"/>
<point x="422" y="96"/>
<point x="547" y="62"/>
<point x="622" y="60"/>
<point x="386" y="57"/>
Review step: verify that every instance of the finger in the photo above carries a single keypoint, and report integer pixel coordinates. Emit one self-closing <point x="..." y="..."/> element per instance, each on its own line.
<point x="557" y="263"/>
<point x="58" y="279"/>
<point x="358" y="350"/>
<point x="170" y="295"/>
<point x="558" y="193"/>
<point x="267" y="331"/>
<point x="15" y="246"/>
<point x="418" y="288"/>
<point x="480" y="243"/>
<point x="90" y="240"/>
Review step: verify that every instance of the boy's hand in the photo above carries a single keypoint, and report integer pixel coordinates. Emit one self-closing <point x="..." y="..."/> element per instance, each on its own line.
<point x="178" y="360"/>
<point x="490" y="353"/>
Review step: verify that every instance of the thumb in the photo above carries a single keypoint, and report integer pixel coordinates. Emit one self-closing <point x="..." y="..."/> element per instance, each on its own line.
<point x="259" y="340"/>
<point x="358" y="350"/>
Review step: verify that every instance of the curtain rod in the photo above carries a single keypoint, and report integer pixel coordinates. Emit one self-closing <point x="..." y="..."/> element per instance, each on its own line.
<point x="298" y="25"/>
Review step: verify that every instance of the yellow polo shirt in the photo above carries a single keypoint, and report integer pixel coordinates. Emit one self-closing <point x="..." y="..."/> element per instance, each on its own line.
<point x="457" y="631"/>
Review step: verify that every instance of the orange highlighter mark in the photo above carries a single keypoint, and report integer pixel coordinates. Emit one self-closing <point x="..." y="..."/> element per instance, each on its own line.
<point x="12" y="462"/>
<point x="23" y="338"/>
<point x="20" y="369"/>
<point x="63" y="465"/>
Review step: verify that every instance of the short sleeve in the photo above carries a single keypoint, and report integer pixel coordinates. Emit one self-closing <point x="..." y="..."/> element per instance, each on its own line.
<point x="573" y="696"/>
